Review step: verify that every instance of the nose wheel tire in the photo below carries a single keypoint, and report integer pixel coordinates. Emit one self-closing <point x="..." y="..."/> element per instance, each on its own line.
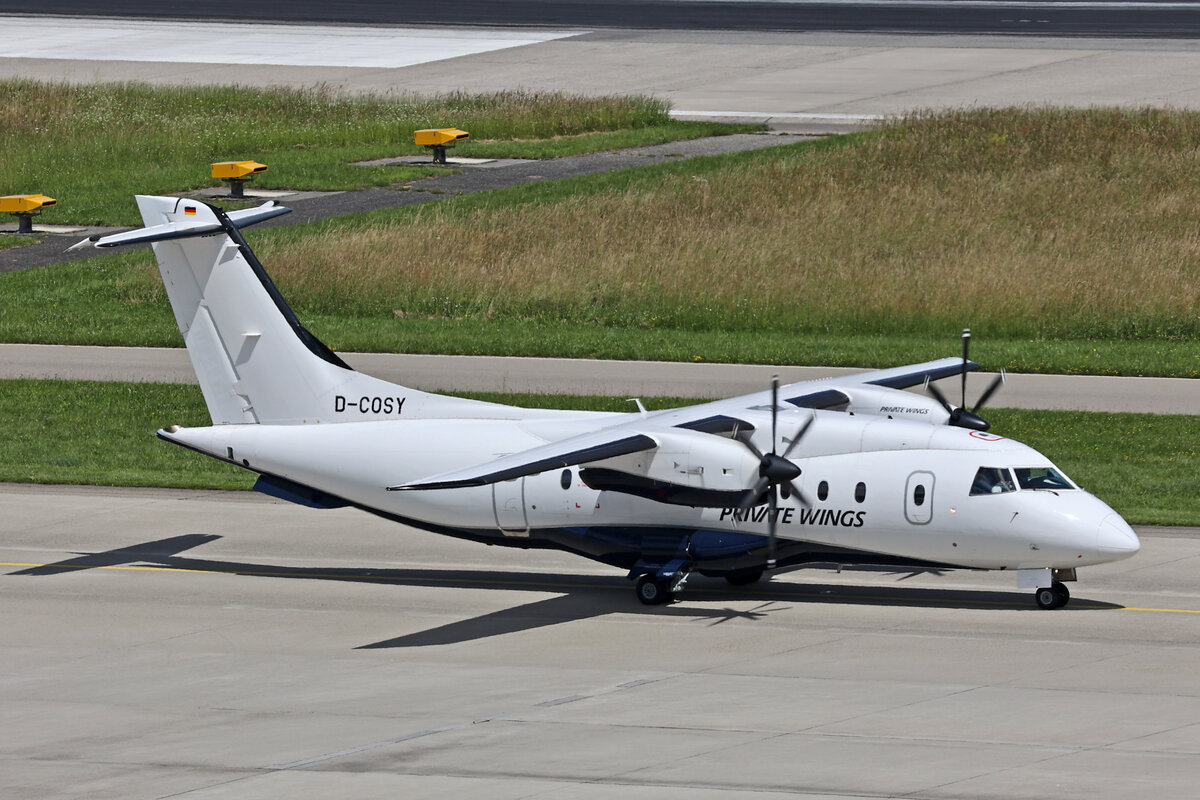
<point x="653" y="592"/>
<point x="1055" y="595"/>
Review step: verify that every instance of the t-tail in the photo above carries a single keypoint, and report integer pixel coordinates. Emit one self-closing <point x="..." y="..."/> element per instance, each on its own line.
<point x="255" y="361"/>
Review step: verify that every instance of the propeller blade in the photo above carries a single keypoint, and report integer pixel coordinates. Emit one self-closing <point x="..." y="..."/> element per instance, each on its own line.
<point x="744" y="438"/>
<point x="799" y="435"/>
<point x="776" y="472"/>
<point x="774" y="409"/>
<point x="937" y="395"/>
<point x="796" y="492"/>
<point x="996" y="383"/>
<point x="754" y="493"/>
<point x="966" y="342"/>
<point x="961" y="416"/>
<point x="772" y="519"/>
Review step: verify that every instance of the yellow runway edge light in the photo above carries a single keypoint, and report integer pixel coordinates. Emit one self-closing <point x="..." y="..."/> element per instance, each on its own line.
<point x="25" y="206"/>
<point x="227" y="170"/>
<point x="236" y="173"/>
<point x="431" y="137"/>
<point x="438" y="140"/>
<point x="25" y="203"/>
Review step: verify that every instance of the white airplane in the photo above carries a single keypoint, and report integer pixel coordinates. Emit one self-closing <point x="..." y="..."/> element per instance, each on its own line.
<point x="846" y="471"/>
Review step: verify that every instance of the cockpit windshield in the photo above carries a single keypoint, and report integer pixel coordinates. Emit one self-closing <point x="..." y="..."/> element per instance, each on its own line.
<point x="1042" y="478"/>
<point x="998" y="480"/>
<point x="992" y="480"/>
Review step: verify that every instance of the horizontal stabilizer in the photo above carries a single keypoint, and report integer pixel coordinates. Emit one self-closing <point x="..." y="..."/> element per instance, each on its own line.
<point x="246" y="217"/>
<point x="185" y="228"/>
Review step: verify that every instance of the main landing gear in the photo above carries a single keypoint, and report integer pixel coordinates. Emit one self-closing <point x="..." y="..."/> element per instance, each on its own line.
<point x="1053" y="596"/>
<point x="655" y="589"/>
<point x="659" y="588"/>
<point x="652" y="591"/>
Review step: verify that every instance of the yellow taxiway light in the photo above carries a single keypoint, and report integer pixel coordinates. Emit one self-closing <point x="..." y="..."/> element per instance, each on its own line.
<point x="236" y="173"/>
<point x="226" y="170"/>
<point x="25" y="206"/>
<point x="438" y="140"/>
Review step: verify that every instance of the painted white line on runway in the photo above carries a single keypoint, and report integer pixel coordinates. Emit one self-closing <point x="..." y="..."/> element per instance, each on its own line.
<point x="800" y="117"/>
<point x="595" y="376"/>
<point x="94" y="39"/>
<point x="1093" y="4"/>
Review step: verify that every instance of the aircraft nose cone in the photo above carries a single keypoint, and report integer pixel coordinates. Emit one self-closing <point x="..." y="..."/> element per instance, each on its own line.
<point x="1116" y="539"/>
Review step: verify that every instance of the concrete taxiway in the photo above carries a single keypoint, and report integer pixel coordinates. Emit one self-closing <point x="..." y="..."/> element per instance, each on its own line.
<point x="598" y="376"/>
<point x="169" y="643"/>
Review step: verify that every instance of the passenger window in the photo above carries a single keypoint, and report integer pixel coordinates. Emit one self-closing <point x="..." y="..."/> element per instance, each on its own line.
<point x="992" y="480"/>
<point x="860" y="492"/>
<point x="565" y="479"/>
<point x="823" y="490"/>
<point x="918" y="495"/>
<point x="1042" y="478"/>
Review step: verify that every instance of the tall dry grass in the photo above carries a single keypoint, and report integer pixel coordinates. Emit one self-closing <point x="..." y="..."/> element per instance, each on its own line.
<point x="1046" y="221"/>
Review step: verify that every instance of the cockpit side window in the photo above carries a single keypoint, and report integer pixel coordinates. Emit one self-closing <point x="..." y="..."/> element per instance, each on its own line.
<point x="992" y="480"/>
<point x="1042" y="478"/>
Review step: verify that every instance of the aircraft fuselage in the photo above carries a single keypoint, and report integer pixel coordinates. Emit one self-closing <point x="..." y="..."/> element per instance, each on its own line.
<point x="904" y="495"/>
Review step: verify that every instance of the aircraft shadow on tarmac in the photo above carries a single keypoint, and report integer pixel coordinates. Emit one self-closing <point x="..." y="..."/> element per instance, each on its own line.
<point x="576" y="597"/>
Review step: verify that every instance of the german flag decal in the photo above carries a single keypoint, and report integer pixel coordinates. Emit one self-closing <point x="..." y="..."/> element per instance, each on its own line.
<point x="189" y="211"/>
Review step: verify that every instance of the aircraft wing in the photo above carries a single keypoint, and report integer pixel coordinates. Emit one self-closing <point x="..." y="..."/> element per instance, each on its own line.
<point x="913" y="375"/>
<point x="825" y="393"/>
<point x="639" y="434"/>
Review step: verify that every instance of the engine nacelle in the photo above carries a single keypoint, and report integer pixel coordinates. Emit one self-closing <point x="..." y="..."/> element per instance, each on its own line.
<point x="687" y="468"/>
<point x="880" y="401"/>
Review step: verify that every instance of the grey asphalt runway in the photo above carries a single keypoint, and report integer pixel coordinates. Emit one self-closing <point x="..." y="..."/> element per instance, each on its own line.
<point x="170" y="643"/>
<point x="1022" y="17"/>
<point x="797" y="79"/>
<point x="600" y="377"/>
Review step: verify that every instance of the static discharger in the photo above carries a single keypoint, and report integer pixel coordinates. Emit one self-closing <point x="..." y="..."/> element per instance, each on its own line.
<point x="439" y="140"/>
<point x="25" y="206"/>
<point x="237" y="174"/>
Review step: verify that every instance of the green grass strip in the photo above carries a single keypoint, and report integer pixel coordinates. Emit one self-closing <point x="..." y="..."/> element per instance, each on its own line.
<point x="82" y="432"/>
<point x="119" y="301"/>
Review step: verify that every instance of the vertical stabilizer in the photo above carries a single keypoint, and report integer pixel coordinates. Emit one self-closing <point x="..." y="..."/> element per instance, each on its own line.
<point x="255" y="362"/>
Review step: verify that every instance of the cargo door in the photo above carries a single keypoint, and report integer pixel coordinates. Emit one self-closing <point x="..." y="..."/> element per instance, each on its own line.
<point x="508" y="501"/>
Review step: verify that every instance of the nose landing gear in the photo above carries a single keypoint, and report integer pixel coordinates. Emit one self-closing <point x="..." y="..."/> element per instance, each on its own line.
<point x="1055" y="595"/>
